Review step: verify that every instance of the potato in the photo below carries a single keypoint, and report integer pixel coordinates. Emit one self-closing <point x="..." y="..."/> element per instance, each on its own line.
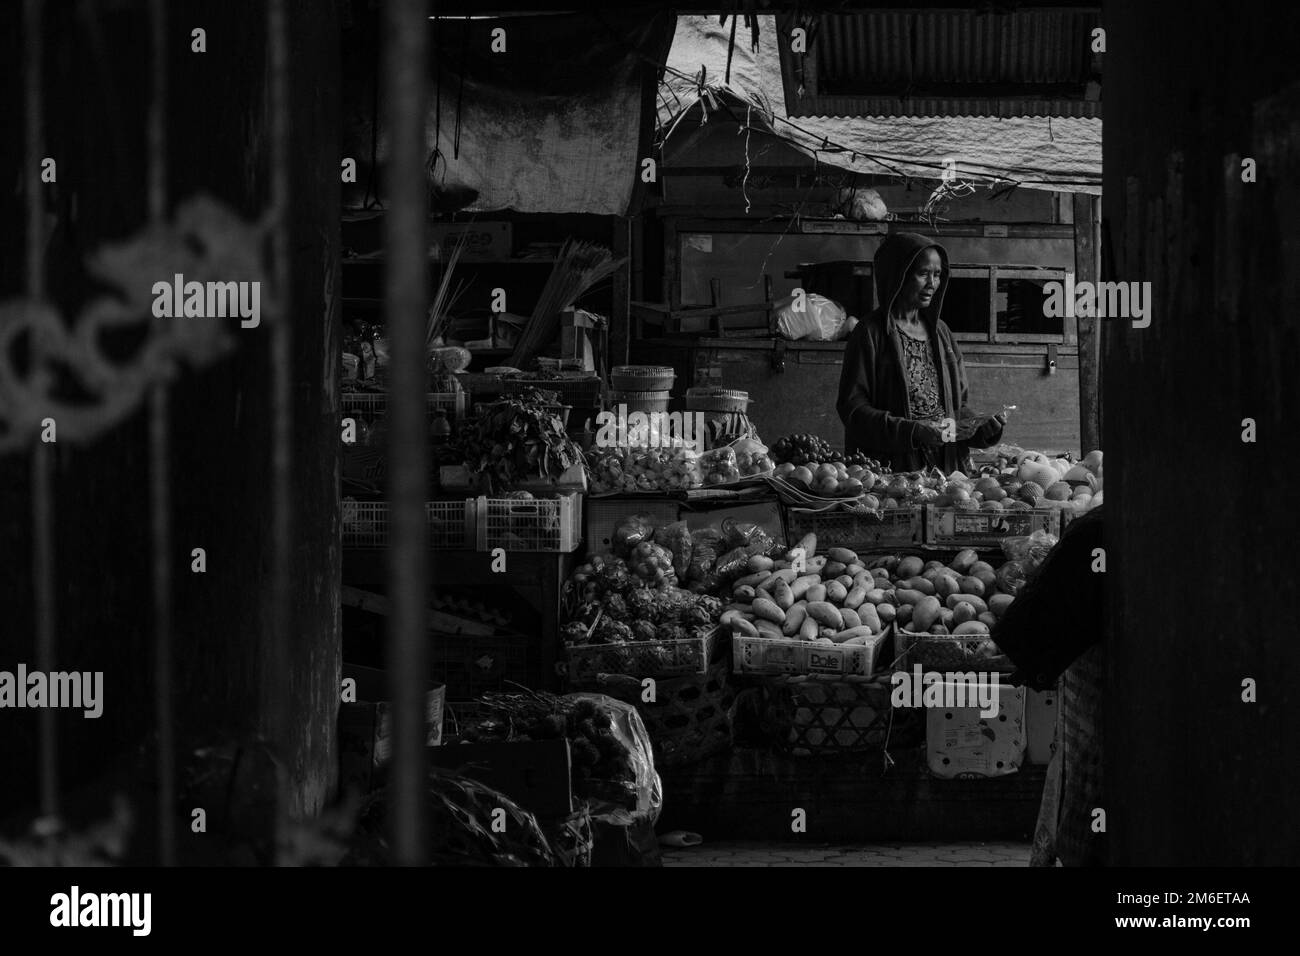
<point x="761" y="562"/>
<point x="801" y="585"/>
<point x="768" y="629"/>
<point x="826" y="614"/>
<point x="761" y="595"/>
<point x="886" y="613"/>
<point x="783" y="596"/>
<point x="815" y="565"/>
<point x="999" y="603"/>
<point x="881" y="574"/>
<point x="988" y="619"/>
<point x="932" y="566"/>
<point x="939" y="630"/>
<point x="855" y="597"/>
<point x="910" y="567"/>
<point x="826" y="634"/>
<point x="816" y="592"/>
<point x="850" y="616"/>
<point x="808" y="630"/>
<point x="809" y="545"/>
<point x="964" y="561"/>
<point x="886" y="563"/>
<point x="864" y="639"/>
<point x="945" y="585"/>
<point x="849" y="634"/>
<point x="924" y="614"/>
<point x="724" y="621"/>
<point x="835" y="592"/>
<point x="945" y="616"/>
<point x="794" y="618"/>
<point x="842" y="555"/>
<point x="742" y="627"/>
<point x="876" y="596"/>
<point x="854" y="569"/>
<point x="908" y="596"/>
<point x="963" y="612"/>
<point x="768" y="611"/>
<point x="754" y="580"/>
<point x="902" y="614"/>
<point x="971" y="599"/>
<point x="870" y="617"/>
<point x="971" y="585"/>
<point x="970" y="627"/>
<point x="919" y="584"/>
<point x="834" y="569"/>
<point x="743" y="592"/>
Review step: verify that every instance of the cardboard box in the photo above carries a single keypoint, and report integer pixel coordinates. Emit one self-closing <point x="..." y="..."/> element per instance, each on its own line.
<point x="961" y="743"/>
<point x="1041" y="709"/>
<point x="484" y="240"/>
<point x="365" y="727"/>
<point x="534" y="774"/>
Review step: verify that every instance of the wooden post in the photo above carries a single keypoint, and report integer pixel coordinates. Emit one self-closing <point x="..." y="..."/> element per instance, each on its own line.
<point x="620" y="309"/>
<point x="1087" y="257"/>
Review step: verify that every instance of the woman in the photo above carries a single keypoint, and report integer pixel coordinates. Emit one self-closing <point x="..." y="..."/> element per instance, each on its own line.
<point x="902" y="372"/>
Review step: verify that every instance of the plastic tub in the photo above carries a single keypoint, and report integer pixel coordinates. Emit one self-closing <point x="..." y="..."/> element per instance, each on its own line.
<point x="641" y="401"/>
<point x="643" y="378"/>
<point x="708" y="399"/>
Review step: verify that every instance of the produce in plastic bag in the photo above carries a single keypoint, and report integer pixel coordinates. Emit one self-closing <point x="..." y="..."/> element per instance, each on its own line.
<point x="653" y="564"/>
<point x="704" y="552"/>
<point x="623" y="723"/>
<point x="630" y="532"/>
<point x="746" y="534"/>
<point x="733" y="564"/>
<point x="820" y="320"/>
<point x="676" y="537"/>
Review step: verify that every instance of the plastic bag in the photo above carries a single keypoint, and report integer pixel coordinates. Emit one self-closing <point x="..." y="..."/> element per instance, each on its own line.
<point x="732" y="564"/>
<point x="653" y="564"/>
<point x="630" y="532"/>
<point x="747" y="535"/>
<point x="820" y="320"/>
<point x="629" y="730"/>
<point x="676" y="537"/>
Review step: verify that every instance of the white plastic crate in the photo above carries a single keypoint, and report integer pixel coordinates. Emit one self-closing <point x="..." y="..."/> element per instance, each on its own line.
<point x="450" y="524"/>
<point x="372" y="405"/>
<point x="530" y="524"/>
<point x="962" y="528"/>
<point x="770" y="655"/>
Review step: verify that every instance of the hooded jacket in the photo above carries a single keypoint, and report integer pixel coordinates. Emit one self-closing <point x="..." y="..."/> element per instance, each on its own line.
<point x="873" y="395"/>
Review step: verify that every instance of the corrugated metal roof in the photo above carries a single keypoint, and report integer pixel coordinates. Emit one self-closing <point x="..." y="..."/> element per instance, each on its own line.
<point x="894" y="62"/>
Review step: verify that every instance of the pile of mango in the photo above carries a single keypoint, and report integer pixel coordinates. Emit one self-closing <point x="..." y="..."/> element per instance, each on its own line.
<point x="823" y="598"/>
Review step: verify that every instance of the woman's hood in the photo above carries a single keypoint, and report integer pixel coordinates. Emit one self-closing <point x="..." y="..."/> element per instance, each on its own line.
<point x="893" y="261"/>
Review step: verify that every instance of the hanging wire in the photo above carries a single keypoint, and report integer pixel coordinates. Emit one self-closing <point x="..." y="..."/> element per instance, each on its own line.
<point x="159" y="460"/>
<point x="42" y="453"/>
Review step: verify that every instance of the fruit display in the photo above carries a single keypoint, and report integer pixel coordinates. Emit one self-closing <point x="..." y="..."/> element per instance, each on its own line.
<point x="805" y="596"/>
<point x="1023" y="480"/>
<point x="632" y="470"/>
<point x="811" y="450"/>
<point x="744" y="458"/>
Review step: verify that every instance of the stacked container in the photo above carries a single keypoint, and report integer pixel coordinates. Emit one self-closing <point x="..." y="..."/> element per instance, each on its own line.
<point x="642" y="388"/>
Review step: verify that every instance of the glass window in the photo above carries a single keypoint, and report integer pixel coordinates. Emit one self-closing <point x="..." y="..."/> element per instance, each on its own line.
<point x="966" y="305"/>
<point x="1019" y="308"/>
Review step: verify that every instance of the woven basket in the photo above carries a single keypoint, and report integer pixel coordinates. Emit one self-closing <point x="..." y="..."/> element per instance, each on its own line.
<point x="642" y="378"/>
<point x="690" y="718"/>
<point x="814" y="717"/>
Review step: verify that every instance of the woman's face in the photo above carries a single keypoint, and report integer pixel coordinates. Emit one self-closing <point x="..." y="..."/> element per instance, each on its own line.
<point x="922" y="280"/>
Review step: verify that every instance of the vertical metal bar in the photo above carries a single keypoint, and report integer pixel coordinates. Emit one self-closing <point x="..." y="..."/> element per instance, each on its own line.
<point x="159" y="461"/>
<point x="42" y="454"/>
<point x="406" y="301"/>
<point x="277" y="679"/>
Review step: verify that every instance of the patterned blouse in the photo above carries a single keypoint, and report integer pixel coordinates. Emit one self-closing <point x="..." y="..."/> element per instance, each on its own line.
<point x="923" y="380"/>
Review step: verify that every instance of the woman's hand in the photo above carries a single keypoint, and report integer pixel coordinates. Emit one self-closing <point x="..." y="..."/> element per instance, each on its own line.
<point x="928" y="433"/>
<point x="990" y="433"/>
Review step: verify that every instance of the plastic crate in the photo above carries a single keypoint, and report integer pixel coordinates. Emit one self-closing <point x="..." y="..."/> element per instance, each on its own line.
<point x="532" y="524"/>
<point x="450" y="524"/>
<point x="887" y="528"/>
<point x="814" y="716"/>
<point x="770" y="655"/>
<point x="642" y="658"/>
<point x="576" y="391"/>
<point x="958" y="528"/>
<point x="938" y="652"/>
<point x="372" y="405"/>
<point x="471" y="665"/>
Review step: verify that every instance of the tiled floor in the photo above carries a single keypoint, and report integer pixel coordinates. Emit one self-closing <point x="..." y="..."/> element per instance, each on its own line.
<point x="879" y="854"/>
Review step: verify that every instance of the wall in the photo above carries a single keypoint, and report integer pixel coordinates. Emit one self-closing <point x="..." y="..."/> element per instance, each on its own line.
<point x="1202" y="593"/>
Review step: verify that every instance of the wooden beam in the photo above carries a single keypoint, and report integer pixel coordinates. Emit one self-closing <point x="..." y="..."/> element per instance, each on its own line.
<point x="435" y="620"/>
<point x="1087" y="259"/>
